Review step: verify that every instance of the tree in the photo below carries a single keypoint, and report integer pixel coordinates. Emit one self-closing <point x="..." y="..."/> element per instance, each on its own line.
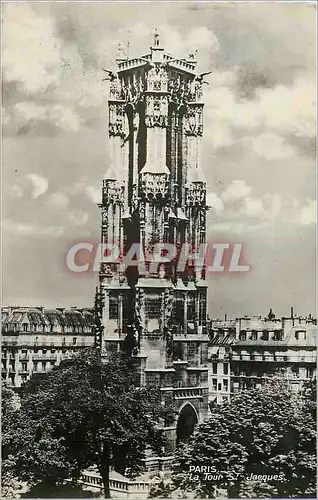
<point x="86" y="412"/>
<point x="267" y="431"/>
<point x="9" y="406"/>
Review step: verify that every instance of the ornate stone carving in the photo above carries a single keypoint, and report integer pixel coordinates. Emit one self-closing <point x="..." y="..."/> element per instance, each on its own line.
<point x="167" y="309"/>
<point x="113" y="192"/>
<point x="140" y="310"/>
<point x="154" y="186"/>
<point x="183" y="90"/>
<point x="195" y="193"/>
<point x="157" y="79"/>
<point x="193" y="124"/>
<point x="157" y="111"/>
<point x="115" y="91"/>
<point x="116" y="120"/>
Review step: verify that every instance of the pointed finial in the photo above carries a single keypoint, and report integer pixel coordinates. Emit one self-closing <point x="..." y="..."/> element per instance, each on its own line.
<point x="156" y="38"/>
<point x="128" y="44"/>
<point x="121" y="52"/>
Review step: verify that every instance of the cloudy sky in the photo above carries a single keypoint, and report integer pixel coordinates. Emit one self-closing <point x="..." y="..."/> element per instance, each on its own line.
<point x="259" y="144"/>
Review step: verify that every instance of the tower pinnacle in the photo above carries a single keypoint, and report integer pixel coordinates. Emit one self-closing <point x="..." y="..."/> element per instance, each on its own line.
<point x="156" y="38"/>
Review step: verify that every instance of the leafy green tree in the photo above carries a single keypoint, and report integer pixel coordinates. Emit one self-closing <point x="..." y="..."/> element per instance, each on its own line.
<point x="310" y="395"/>
<point x="86" y="412"/>
<point x="268" y="431"/>
<point x="9" y="406"/>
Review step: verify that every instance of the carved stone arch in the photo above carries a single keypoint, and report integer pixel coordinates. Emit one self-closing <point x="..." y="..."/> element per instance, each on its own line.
<point x="182" y="109"/>
<point x="187" y="420"/>
<point x="129" y="108"/>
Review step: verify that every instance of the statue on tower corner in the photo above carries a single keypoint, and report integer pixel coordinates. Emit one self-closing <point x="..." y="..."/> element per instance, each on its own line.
<point x="156" y="38"/>
<point x="121" y="54"/>
<point x="193" y="54"/>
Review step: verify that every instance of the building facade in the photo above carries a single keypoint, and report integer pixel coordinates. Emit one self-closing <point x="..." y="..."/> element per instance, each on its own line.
<point x="155" y="193"/>
<point x="36" y="339"/>
<point x="244" y="352"/>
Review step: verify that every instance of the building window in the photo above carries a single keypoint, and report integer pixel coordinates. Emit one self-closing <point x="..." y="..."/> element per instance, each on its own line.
<point x="153" y="307"/>
<point x="25" y="327"/>
<point x="214" y="384"/>
<point x="153" y="379"/>
<point x="74" y="340"/>
<point x="226" y="385"/>
<point x="310" y="372"/>
<point x="254" y="335"/>
<point x="219" y="386"/>
<point x="113" y="307"/>
<point x="225" y="368"/>
<point x="300" y="335"/>
<point x="191" y="308"/>
<point x="192" y="351"/>
<point x="179" y="311"/>
<point x="242" y="336"/>
<point x="178" y="351"/>
<point x="214" y="368"/>
<point x="265" y="335"/>
<point x="278" y="335"/>
<point x="111" y="346"/>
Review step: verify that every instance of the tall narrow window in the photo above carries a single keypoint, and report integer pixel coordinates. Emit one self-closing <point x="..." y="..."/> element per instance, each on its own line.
<point x="113" y="307"/>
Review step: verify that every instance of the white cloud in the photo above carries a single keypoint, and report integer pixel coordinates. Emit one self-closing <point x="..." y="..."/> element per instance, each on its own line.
<point x="237" y="189"/>
<point x="78" y="218"/>
<point x="30" y="53"/>
<point x="15" y="191"/>
<point x="171" y="38"/>
<point x="308" y="213"/>
<point x="273" y="115"/>
<point x="58" y="200"/>
<point x="65" y="118"/>
<point x="253" y="207"/>
<point x="93" y="194"/>
<point x="272" y="204"/>
<point x="59" y="115"/>
<point x="23" y="229"/>
<point x="270" y="146"/>
<point x="290" y="109"/>
<point x="215" y="202"/>
<point x="40" y="184"/>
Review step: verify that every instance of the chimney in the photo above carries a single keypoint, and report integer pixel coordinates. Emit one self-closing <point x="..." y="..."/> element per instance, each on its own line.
<point x="292" y="312"/>
<point x="225" y="317"/>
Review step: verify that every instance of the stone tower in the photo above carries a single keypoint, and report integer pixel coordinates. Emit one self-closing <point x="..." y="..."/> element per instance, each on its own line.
<point x="154" y="193"/>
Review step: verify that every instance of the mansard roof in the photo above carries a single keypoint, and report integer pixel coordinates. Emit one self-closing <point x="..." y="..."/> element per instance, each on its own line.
<point x="50" y="317"/>
<point x="291" y="339"/>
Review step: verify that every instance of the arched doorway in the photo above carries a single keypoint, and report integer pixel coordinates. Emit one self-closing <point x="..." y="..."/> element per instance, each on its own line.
<point x="187" y="420"/>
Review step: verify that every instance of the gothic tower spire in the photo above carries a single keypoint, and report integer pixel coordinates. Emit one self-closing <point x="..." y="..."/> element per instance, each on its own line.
<point x="154" y="193"/>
